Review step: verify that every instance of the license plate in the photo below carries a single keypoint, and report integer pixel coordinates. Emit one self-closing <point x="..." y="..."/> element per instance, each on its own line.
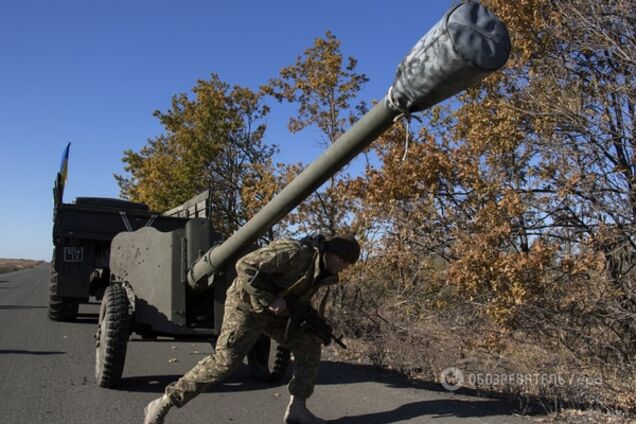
<point x="73" y="254"/>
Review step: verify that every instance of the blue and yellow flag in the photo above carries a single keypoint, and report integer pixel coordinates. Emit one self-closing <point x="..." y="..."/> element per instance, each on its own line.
<point x="64" y="164"/>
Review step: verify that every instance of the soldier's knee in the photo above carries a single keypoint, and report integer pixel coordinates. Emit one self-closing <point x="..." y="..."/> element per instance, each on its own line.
<point x="227" y="360"/>
<point x="308" y="352"/>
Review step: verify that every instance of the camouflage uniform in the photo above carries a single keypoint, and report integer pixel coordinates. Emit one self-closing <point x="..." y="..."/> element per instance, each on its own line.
<point x="282" y="266"/>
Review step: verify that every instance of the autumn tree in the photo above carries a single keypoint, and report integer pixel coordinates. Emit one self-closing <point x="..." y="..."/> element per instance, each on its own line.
<point x="524" y="188"/>
<point x="211" y="141"/>
<point x="576" y="101"/>
<point x="323" y="84"/>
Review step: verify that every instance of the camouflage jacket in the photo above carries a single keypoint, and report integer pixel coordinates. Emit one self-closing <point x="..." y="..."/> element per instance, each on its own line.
<point x="282" y="267"/>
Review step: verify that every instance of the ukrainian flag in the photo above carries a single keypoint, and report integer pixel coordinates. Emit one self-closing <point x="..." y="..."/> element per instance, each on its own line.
<point x="64" y="165"/>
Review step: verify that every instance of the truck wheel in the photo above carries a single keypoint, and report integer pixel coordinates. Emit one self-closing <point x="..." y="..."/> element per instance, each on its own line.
<point x="112" y="337"/>
<point x="268" y="360"/>
<point x="60" y="308"/>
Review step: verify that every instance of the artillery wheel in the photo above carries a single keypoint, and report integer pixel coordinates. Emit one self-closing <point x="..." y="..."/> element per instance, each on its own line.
<point x="112" y="336"/>
<point x="268" y="360"/>
<point x="60" y="308"/>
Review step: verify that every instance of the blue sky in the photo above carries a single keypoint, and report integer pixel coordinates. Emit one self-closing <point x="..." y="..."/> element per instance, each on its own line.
<point x="92" y="72"/>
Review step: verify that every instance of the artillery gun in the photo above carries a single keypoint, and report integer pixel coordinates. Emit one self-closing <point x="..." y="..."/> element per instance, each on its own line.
<point x="174" y="283"/>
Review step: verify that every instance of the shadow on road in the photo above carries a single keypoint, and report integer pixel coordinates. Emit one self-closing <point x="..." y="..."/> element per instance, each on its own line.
<point x="29" y="352"/>
<point x="240" y="381"/>
<point x="342" y="373"/>
<point x="15" y="307"/>
<point x="86" y="319"/>
<point x="330" y="373"/>
<point x="146" y="383"/>
<point x="441" y="408"/>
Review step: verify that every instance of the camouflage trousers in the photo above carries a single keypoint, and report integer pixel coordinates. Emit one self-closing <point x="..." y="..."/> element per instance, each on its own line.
<point x="240" y="330"/>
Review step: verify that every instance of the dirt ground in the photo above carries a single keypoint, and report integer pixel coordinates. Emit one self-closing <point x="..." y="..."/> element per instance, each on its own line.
<point x="10" y="265"/>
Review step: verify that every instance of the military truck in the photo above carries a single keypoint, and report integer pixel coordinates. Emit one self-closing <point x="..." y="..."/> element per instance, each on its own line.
<point x="82" y="233"/>
<point x="174" y="283"/>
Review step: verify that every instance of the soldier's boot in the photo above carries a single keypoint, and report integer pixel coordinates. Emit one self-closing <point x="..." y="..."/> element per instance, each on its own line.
<point x="155" y="411"/>
<point x="297" y="413"/>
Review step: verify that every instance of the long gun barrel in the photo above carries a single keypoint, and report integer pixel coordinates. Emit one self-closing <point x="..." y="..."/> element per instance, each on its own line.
<point x="465" y="46"/>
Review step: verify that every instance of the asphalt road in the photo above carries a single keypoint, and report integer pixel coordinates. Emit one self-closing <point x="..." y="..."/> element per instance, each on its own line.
<point x="47" y="376"/>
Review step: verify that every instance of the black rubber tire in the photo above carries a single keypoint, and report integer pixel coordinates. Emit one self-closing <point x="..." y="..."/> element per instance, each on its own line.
<point x="268" y="360"/>
<point x="112" y="337"/>
<point x="60" y="308"/>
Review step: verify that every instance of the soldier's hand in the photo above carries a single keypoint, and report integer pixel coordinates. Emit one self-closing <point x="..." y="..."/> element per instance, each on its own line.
<point x="277" y="306"/>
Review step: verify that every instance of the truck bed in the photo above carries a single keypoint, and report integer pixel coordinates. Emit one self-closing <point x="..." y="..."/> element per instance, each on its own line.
<point x="100" y="223"/>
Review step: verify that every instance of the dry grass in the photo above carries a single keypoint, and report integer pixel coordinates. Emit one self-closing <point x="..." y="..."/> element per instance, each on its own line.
<point x="10" y="265"/>
<point x="538" y="376"/>
<point x="575" y="416"/>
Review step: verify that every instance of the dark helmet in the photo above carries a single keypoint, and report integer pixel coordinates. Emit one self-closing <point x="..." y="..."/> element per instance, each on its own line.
<point x="344" y="246"/>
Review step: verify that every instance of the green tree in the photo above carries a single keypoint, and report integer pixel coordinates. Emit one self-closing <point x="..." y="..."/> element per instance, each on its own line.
<point x="212" y="141"/>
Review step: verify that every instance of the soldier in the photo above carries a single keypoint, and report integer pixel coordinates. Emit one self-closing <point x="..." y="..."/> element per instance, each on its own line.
<point x="255" y="306"/>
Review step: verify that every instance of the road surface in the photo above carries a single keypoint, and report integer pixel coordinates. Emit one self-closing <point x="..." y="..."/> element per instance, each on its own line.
<point x="47" y="376"/>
